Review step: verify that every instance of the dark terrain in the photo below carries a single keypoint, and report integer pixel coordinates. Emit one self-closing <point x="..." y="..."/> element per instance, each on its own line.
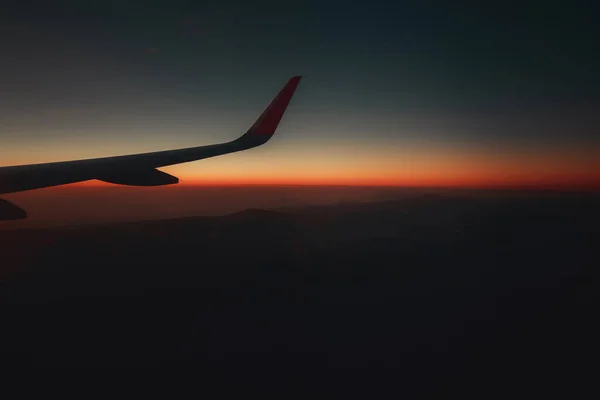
<point x="427" y="294"/>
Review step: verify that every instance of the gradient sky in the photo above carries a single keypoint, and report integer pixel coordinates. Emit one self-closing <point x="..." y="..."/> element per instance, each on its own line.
<point x="395" y="93"/>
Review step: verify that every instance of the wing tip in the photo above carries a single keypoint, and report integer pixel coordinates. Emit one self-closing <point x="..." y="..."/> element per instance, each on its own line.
<point x="295" y="79"/>
<point x="267" y="123"/>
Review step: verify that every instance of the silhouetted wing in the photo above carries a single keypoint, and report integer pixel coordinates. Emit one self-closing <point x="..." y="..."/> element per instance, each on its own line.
<point x="140" y="169"/>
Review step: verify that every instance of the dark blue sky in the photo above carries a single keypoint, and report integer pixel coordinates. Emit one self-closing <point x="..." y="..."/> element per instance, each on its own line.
<point x="401" y="87"/>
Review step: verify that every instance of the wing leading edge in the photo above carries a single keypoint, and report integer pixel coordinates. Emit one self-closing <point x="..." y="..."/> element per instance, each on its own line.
<point x="140" y="169"/>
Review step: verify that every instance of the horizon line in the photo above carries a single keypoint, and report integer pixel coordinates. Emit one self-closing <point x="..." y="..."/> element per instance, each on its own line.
<point x="541" y="186"/>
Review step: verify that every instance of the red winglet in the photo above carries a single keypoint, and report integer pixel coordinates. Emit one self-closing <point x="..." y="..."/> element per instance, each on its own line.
<point x="268" y="121"/>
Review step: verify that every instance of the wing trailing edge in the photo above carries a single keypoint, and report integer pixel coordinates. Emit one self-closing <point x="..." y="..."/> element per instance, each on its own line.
<point x="10" y="211"/>
<point x="150" y="177"/>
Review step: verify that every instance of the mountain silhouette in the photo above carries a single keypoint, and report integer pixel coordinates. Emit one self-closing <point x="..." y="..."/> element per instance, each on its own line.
<point x="434" y="287"/>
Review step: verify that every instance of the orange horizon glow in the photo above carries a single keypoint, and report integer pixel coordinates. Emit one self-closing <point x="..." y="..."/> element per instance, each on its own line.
<point x="574" y="184"/>
<point x="419" y="165"/>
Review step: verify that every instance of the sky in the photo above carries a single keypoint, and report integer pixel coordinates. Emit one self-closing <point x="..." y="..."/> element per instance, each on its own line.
<point x="453" y="94"/>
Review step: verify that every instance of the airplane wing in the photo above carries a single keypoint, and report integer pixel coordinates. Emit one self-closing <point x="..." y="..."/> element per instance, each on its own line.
<point x="140" y="169"/>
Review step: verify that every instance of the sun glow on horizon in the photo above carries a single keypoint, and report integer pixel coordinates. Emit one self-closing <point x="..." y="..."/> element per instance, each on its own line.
<point x="417" y="163"/>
